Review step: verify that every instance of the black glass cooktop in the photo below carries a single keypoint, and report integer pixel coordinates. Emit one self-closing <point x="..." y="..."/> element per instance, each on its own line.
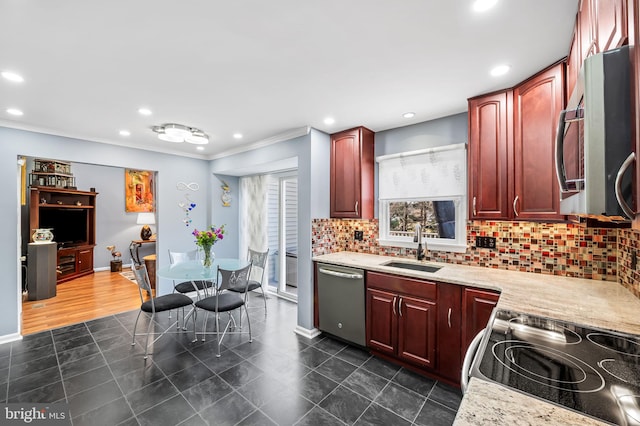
<point x="595" y="372"/>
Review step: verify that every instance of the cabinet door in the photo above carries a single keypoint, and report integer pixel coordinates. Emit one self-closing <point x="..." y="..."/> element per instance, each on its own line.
<point x="586" y="29"/>
<point x="610" y="23"/>
<point x="85" y="260"/>
<point x="449" y="325"/>
<point x="537" y="105"/>
<point x="417" y="331"/>
<point x="634" y="32"/>
<point x="477" y="306"/>
<point x="382" y="322"/>
<point x="351" y="177"/>
<point x="489" y="147"/>
<point x="573" y="64"/>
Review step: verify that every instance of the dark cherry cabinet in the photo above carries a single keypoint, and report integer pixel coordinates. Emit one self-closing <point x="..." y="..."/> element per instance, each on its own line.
<point x="477" y="306"/>
<point x="401" y="318"/>
<point x="352" y="174"/>
<point x="511" y="150"/>
<point x="415" y="322"/>
<point x="537" y="105"/>
<point x="72" y="216"/>
<point x="490" y="123"/>
<point x="610" y="29"/>
<point x="634" y="39"/>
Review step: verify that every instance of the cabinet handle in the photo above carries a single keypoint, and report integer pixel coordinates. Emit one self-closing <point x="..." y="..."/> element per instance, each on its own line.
<point x="400" y="306"/>
<point x="449" y="318"/>
<point x="515" y="201"/>
<point x="474" y="206"/>
<point x="619" y="197"/>
<point x="393" y="305"/>
<point x="356" y="208"/>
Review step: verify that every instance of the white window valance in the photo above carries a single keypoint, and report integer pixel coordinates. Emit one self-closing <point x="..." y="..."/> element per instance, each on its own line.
<point x="428" y="173"/>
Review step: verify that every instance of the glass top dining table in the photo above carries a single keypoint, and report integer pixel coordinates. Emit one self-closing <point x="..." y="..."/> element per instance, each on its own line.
<point x="194" y="270"/>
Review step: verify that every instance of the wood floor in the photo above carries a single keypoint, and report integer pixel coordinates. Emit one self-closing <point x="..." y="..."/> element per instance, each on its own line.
<point x="85" y="298"/>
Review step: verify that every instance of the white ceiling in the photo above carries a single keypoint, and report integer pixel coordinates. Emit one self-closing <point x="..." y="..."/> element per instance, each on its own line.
<point x="261" y="68"/>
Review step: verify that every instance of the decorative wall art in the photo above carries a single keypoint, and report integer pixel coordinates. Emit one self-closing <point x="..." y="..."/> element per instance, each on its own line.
<point x="226" y="194"/>
<point x="187" y="205"/>
<point x="139" y="191"/>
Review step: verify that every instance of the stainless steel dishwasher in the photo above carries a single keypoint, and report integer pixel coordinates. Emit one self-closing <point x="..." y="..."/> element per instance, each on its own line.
<point x="341" y="304"/>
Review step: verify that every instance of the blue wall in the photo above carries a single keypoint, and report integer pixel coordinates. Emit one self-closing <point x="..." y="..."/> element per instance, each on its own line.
<point x="171" y="231"/>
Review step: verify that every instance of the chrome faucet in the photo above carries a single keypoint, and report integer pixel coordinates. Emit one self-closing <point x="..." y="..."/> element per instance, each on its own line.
<point x="417" y="238"/>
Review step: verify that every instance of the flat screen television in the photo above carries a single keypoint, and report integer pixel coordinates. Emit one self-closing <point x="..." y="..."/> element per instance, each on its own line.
<point x="69" y="226"/>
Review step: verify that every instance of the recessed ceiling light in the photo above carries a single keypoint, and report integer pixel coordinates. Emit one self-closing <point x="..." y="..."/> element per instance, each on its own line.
<point x="409" y="114"/>
<point x="144" y="111"/>
<point x="15" y="111"/>
<point x="483" y="5"/>
<point x="12" y="76"/>
<point x="125" y="133"/>
<point x="237" y="135"/>
<point x="200" y="148"/>
<point x="329" y="121"/>
<point x="500" y="70"/>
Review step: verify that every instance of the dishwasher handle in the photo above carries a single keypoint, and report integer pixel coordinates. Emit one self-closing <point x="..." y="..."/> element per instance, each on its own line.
<point x="468" y="360"/>
<point x="340" y="274"/>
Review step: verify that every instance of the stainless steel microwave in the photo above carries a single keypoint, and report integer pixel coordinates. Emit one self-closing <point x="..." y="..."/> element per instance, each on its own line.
<point x="594" y="148"/>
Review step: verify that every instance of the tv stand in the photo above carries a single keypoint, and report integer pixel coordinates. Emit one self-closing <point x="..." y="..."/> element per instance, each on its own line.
<point x="73" y="213"/>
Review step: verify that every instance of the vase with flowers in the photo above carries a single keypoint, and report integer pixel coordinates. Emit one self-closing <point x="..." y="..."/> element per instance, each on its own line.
<point x="206" y="239"/>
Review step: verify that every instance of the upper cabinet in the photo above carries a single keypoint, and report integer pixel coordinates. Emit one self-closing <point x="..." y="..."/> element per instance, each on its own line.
<point x="600" y="25"/>
<point x="511" y="148"/>
<point x="352" y="174"/>
<point x="634" y="32"/>
<point x="537" y="105"/>
<point x="490" y="124"/>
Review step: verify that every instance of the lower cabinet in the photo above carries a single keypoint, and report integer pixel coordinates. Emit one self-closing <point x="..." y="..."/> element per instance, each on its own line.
<point x="423" y="324"/>
<point x="477" y="306"/>
<point x="74" y="262"/>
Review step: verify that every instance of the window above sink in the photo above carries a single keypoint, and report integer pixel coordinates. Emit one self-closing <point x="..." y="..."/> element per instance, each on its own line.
<point x="426" y="187"/>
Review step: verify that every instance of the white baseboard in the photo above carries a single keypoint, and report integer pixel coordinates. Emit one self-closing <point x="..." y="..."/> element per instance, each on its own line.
<point x="104" y="268"/>
<point x="10" y="338"/>
<point x="308" y="333"/>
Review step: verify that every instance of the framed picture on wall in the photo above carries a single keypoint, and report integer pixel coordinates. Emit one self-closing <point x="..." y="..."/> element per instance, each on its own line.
<point x="139" y="191"/>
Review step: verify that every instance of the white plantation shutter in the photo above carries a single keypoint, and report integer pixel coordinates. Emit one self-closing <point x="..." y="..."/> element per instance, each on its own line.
<point x="429" y="173"/>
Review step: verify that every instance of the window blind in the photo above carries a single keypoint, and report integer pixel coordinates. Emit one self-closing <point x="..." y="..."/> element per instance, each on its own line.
<point x="428" y="173"/>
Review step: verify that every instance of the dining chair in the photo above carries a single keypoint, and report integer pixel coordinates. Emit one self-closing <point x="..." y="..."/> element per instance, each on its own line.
<point x="225" y="301"/>
<point x="154" y="305"/>
<point x="258" y="261"/>
<point x="189" y="286"/>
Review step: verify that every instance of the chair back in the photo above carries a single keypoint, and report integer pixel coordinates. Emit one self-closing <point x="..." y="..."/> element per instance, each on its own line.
<point x="144" y="285"/>
<point x="179" y="257"/>
<point x="233" y="278"/>
<point x="259" y="261"/>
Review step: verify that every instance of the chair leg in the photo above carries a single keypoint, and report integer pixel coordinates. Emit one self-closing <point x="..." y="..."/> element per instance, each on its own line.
<point x="218" y="333"/>
<point x="264" y="298"/>
<point x="204" y="327"/>
<point x="146" y="343"/>
<point x="133" y="340"/>
<point x="248" y="322"/>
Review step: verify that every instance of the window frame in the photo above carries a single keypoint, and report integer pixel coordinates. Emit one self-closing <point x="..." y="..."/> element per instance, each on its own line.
<point x="456" y="245"/>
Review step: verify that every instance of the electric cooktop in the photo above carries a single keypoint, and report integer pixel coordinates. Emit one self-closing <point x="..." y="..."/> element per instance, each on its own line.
<point x="592" y="371"/>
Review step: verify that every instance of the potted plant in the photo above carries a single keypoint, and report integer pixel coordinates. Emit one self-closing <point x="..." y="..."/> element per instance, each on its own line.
<point x="116" y="262"/>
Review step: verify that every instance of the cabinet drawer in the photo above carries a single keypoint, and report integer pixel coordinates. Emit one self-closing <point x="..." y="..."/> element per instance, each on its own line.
<point x="411" y="286"/>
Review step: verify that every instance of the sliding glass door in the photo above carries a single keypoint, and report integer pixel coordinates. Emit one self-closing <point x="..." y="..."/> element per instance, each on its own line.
<point x="282" y="219"/>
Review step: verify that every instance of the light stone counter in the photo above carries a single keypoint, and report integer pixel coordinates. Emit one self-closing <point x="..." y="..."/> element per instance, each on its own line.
<point x="602" y="304"/>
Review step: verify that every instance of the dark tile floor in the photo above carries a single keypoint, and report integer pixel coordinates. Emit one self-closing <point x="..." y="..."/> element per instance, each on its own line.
<point x="279" y="379"/>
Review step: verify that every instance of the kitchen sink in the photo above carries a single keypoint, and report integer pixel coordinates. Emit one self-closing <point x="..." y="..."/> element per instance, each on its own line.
<point x="413" y="266"/>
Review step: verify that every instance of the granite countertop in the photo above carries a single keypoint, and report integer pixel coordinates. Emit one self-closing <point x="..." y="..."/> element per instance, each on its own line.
<point x="601" y="304"/>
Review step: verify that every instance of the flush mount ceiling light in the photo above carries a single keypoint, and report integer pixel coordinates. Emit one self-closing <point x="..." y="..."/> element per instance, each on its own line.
<point x="178" y="133"/>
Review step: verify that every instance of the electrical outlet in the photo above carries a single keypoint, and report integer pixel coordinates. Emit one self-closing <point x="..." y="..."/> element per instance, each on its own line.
<point x="358" y="235"/>
<point x="486" y="242"/>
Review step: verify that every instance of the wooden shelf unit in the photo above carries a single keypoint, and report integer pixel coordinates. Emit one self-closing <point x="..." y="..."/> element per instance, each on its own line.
<point x="73" y="213"/>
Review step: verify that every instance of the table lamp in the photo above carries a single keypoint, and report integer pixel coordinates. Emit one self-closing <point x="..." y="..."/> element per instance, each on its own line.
<point x="146" y="219"/>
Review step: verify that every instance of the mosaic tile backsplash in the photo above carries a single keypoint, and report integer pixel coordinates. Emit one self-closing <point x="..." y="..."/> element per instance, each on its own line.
<point x="628" y="257"/>
<point x="566" y="249"/>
